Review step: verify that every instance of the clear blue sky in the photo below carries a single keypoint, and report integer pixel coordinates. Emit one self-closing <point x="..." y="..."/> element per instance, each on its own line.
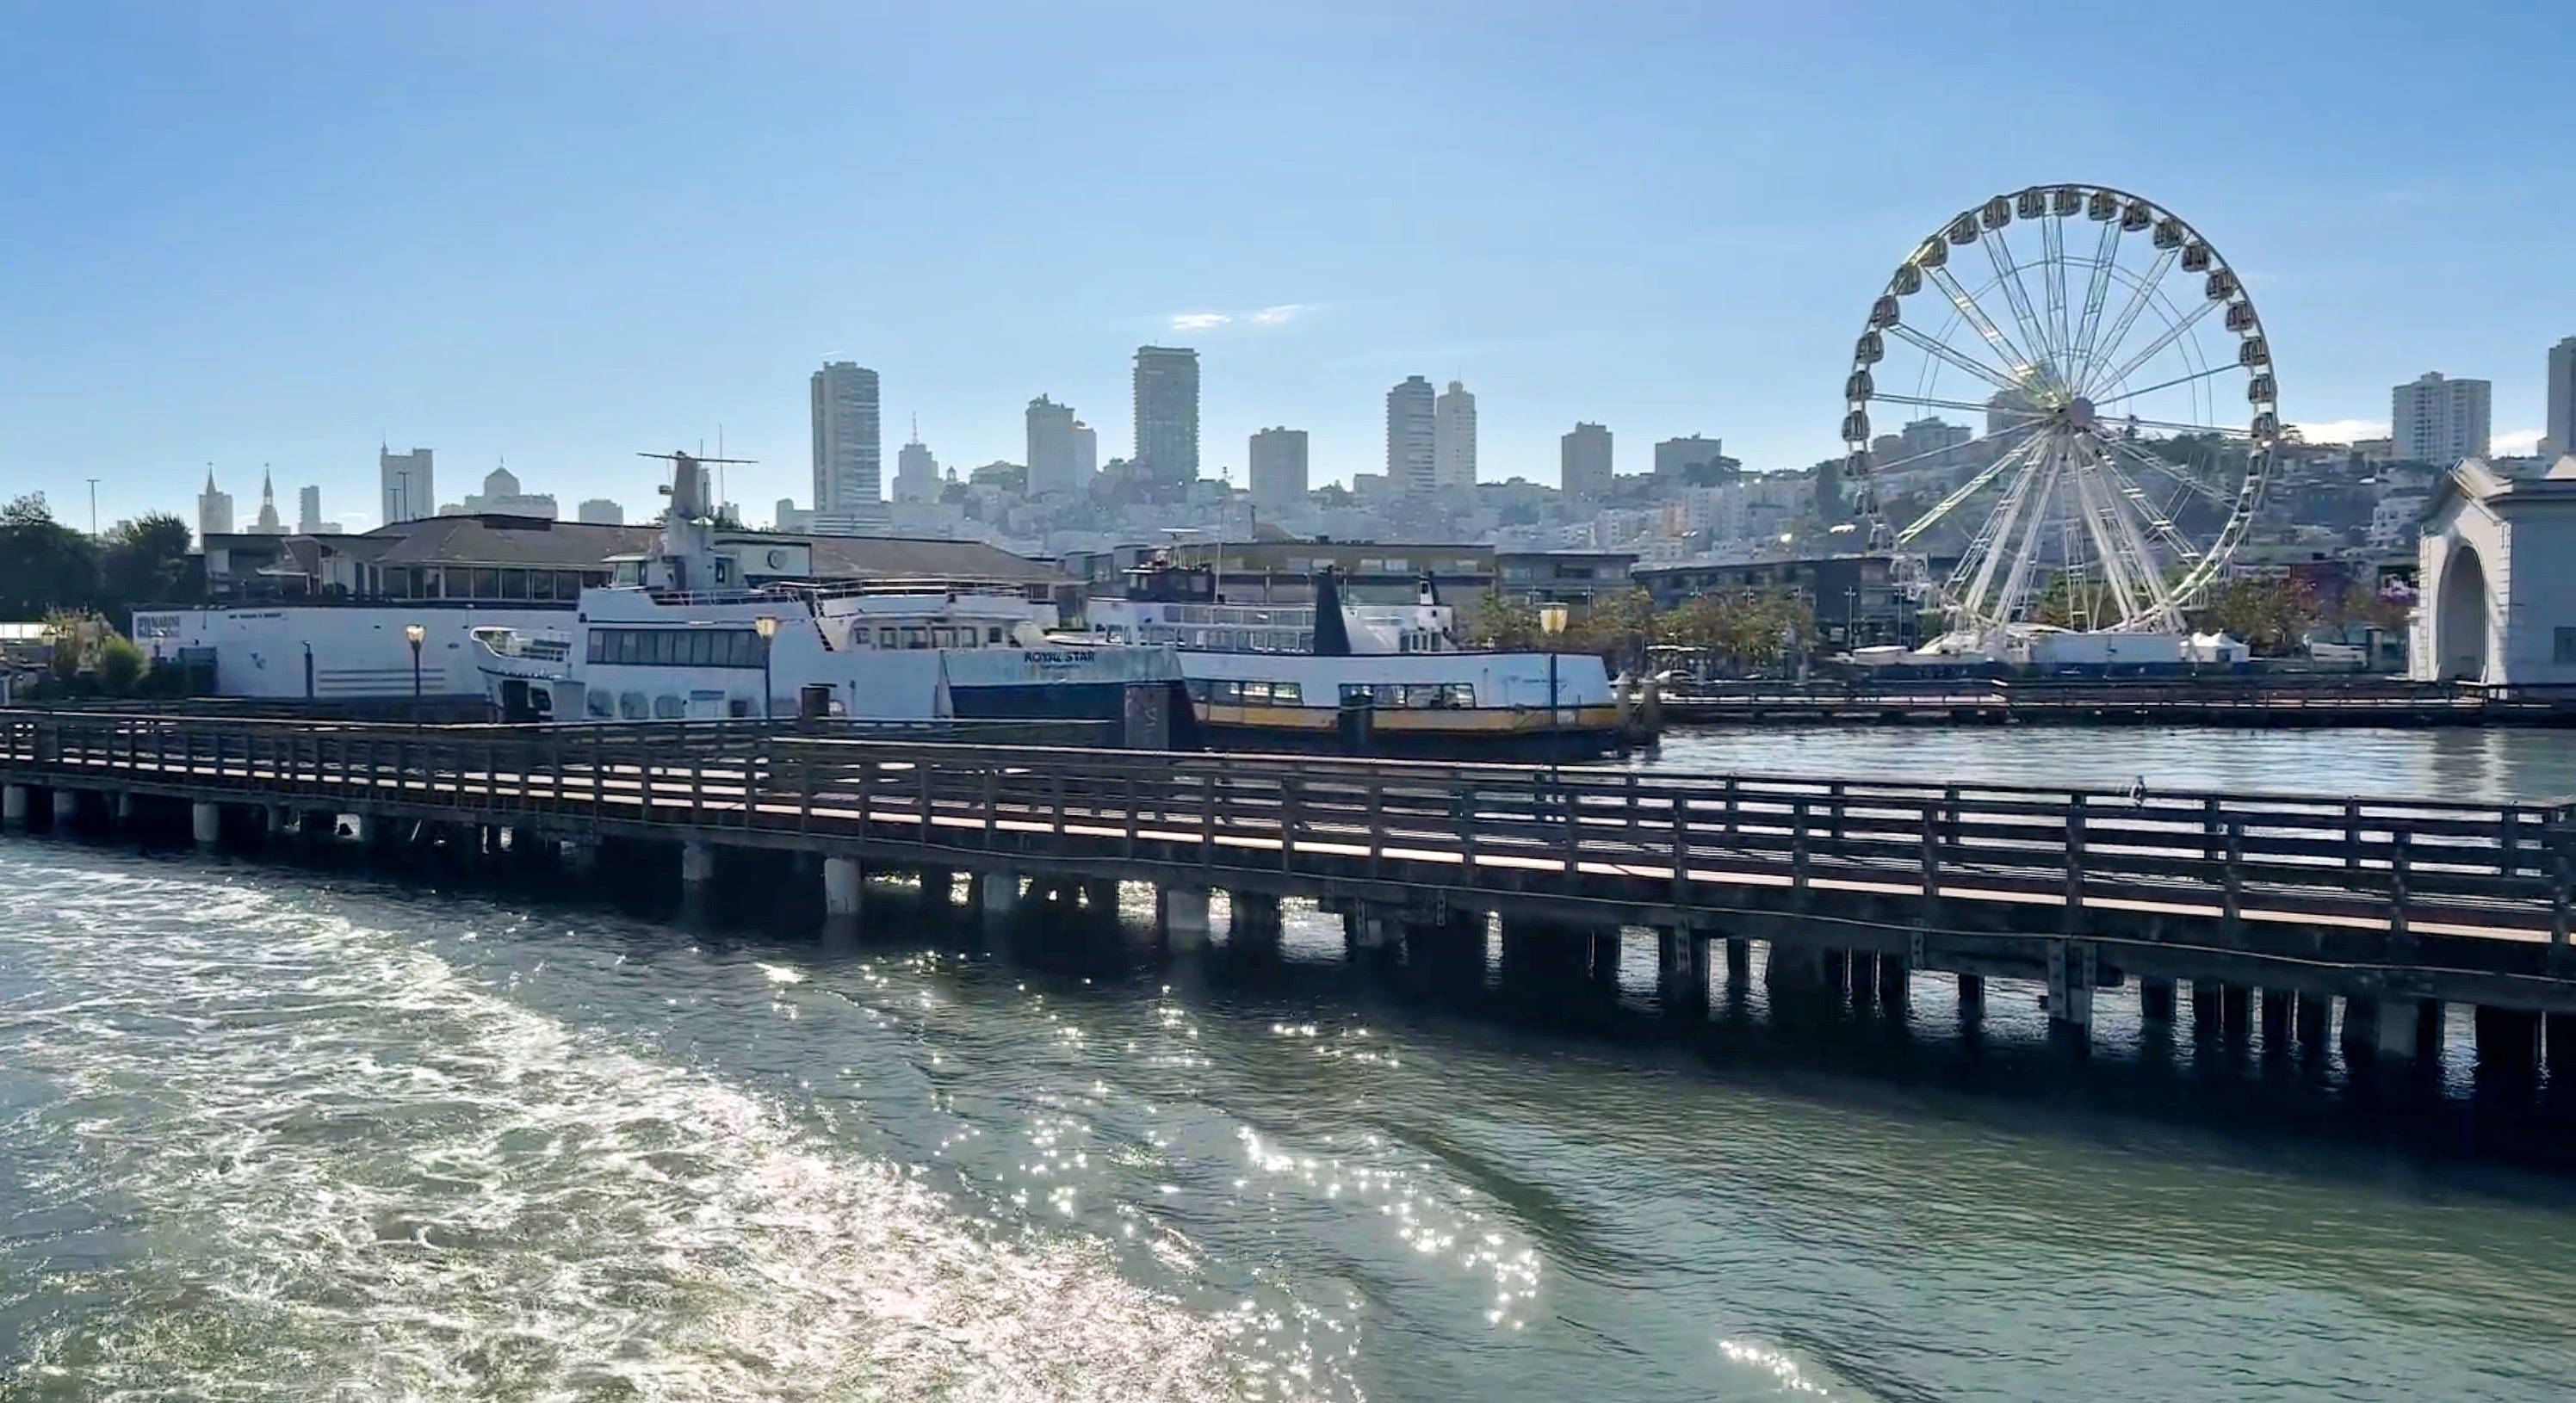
<point x="275" y="233"/>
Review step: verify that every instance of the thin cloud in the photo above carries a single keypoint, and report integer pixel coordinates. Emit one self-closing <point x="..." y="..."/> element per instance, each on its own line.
<point x="1283" y="313"/>
<point x="2517" y="444"/>
<point x="1199" y="321"/>
<point x="2341" y="430"/>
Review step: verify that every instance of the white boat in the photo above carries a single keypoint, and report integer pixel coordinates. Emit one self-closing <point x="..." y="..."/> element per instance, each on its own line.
<point x="675" y="636"/>
<point x="1372" y="679"/>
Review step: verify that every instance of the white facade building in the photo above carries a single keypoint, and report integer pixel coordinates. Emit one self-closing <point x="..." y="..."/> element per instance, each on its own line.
<point x="600" y="511"/>
<point x="849" y="451"/>
<point x="916" y="472"/>
<point x="410" y="487"/>
<point x="1411" y="436"/>
<point x="2496" y="602"/>
<point x="2435" y="420"/>
<point x="308" y="510"/>
<point x="1453" y="440"/>
<point x="501" y="496"/>
<point x="2393" y="519"/>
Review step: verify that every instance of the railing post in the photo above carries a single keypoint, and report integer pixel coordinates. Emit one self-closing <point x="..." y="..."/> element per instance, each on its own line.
<point x="2397" y="865"/>
<point x="922" y="769"/>
<point x="1731" y="800"/>
<point x="2212" y="829"/>
<point x="2508" y="846"/>
<point x="1573" y="831"/>
<point x="1207" y="818"/>
<point x="1464" y="808"/>
<point x="2232" y="878"/>
<point x="1931" y="853"/>
<point x="2074" y="859"/>
<point x="1287" y="823"/>
<point x="1377" y="826"/>
<point x="2352" y="833"/>
<point x="1798" y="843"/>
<point x="1950" y="818"/>
<point x="1837" y="792"/>
<point x="1131" y="813"/>
<point x="1681" y="847"/>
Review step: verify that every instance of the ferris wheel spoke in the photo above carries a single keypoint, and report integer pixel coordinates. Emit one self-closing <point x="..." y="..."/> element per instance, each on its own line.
<point x="2097" y="292"/>
<point x="2017" y="297"/>
<point x="1972" y="579"/>
<point x="2052" y="258"/>
<point x="1932" y="346"/>
<point x="2171" y="334"/>
<point x="2139" y="296"/>
<point x="1959" y="404"/>
<point x="1961" y="450"/>
<point x="2133" y="517"/>
<point x="2178" y="427"/>
<point x="1966" y="490"/>
<point x="2017" y="581"/>
<point x="2219" y="369"/>
<point x="1976" y="314"/>
<point x="2142" y="504"/>
<point x="2159" y="465"/>
<point x="2095" y="518"/>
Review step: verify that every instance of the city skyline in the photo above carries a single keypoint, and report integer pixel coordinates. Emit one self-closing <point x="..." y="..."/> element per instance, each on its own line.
<point x="614" y="317"/>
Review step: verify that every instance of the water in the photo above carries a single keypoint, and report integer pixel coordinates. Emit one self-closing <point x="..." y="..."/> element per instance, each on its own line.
<point x="2464" y="763"/>
<point x="280" y="1132"/>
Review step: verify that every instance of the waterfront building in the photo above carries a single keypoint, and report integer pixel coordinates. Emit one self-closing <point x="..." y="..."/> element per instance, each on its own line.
<point x="1583" y="465"/>
<point x="1854" y="599"/>
<point x="1453" y="440"/>
<point x="1167" y="414"/>
<point x="409" y="484"/>
<point x="214" y="510"/>
<point x="308" y="510"/>
<point x="1411" y="437"/>
<point x="267" y="522"/>
<point x="2561" y="394"/>
<point x="1055" y="442"/>
<point x="1278" y="469"/>
<point x="848" y="449"/>
<point x="2437" y="420"/>
<point x="1571" y="577"/>
<point x="2497" y="603"/>
<point x="600" y="511"/>
<point x="501" y="496"/>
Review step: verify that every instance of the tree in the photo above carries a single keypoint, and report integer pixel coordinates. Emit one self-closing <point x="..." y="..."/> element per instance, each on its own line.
<point x="44" y="565"/>
<point x="1506" y="622"/>
<point x="120" y="665"/>
<point x="1617" y="626"/>
<point x="145" y="563"/>
<point x="1754" y="631"/>
<point x="1829" y="490"/>
<point x="2271" y="613"/>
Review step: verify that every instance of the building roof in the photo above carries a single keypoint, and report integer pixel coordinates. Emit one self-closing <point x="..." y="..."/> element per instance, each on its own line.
<point x="504" y="540"/>
<point x="906" y="558"/>
<point x="2477" y="480"/>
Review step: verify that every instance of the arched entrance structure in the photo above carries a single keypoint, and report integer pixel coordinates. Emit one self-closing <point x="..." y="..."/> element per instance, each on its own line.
<point x="2460" y="629"/>
<point x="2495" y="570"/>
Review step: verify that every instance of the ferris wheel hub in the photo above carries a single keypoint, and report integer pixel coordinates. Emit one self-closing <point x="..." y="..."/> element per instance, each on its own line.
<point x="2079" y="414"/>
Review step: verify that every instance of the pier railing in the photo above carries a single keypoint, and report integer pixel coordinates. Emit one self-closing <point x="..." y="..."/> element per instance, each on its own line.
<point x="2404" y="866"/>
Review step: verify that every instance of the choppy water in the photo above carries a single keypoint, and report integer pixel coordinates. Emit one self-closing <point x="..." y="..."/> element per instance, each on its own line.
<point x="269" y="1132"/>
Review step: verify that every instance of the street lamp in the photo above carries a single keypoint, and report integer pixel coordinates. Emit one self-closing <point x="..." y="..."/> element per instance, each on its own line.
<point x="413" y="634"/>
<point x="767" y="627"/>
<point x="1551" y="621"/>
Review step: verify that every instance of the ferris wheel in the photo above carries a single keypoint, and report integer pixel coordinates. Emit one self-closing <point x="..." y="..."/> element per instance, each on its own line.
<point x="2122" y="414"/>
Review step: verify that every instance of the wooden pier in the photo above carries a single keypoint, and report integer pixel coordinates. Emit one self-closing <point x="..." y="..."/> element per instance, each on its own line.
<point x="2390" y="906"/>
<point x="2251" y="702"/>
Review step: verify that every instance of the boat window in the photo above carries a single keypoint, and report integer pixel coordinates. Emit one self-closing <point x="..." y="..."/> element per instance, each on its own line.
<point x="1228" y="694"/>
<point x="1198" y="689"/>
<point x="885" y="638"/>
<point x="514" y="584"/>
<point x="602" y="705"/>
<point x="669" y="708"/>
<point x="915" y="636"/>
<point x="740" y="707"/>
<point x="1287" y="694"/>
<point x="1256" y="694"/>
<point x="1356" y="694"/>
<point x="1462" y="694"/>
<point x="943" y="637"/>
<point x="993" y="634"/>
<point x="631" y="706"/>
<point x="541" y="584"/>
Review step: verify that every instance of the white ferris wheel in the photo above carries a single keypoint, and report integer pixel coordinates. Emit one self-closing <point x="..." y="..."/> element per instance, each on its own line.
<point x="2121" y="405"/>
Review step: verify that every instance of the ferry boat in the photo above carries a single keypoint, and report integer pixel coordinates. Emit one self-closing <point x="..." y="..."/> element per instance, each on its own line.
<point x="1359" y="678"/>
<point x="675" y="635"/>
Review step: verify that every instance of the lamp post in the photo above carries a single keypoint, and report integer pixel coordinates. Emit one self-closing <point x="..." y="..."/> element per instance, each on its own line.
<point x="767" y="627"/>
<point x="1551" y="621"/>
<point x="413" y="634"/>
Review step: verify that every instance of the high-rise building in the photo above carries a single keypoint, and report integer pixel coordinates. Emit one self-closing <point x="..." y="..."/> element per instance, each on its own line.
<point x="410" y="488"/>
<point x="1278" y="469"/>
<point x="1086" y="453"/>
<point x="2562" y="397"/>
<point x="1167" y="414"/>
<point x="308" y="510"/>
<point x="267" y="522"/>
<point x="1056" y="467"/>
<point x="2439" y="421"/>
<point x="1583" y="463"/>
<point x="600" y="511"/>
<point x="214" y="510"/>
<point x="791" y="518"/>
<point x="1675" y="455"/>
<point x="916" y="472"/>
<point x="849" y="452"/>
<point x="1453" y="439"/>
<point x="1932" y="442"/>
<point x="1412" y="435"/>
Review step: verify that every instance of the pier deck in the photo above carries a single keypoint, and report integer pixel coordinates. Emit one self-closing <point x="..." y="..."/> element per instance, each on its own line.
<point x="2325" y="895"/>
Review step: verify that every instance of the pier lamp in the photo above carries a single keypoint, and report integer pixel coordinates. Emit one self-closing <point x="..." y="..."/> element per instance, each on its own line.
<point x="767" y="627"/>
<point x="1551" y="621"/>
<point x="413" y="634"/>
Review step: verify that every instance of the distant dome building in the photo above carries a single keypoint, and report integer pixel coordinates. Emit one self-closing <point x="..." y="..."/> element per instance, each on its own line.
<point x="501" y="496"/>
